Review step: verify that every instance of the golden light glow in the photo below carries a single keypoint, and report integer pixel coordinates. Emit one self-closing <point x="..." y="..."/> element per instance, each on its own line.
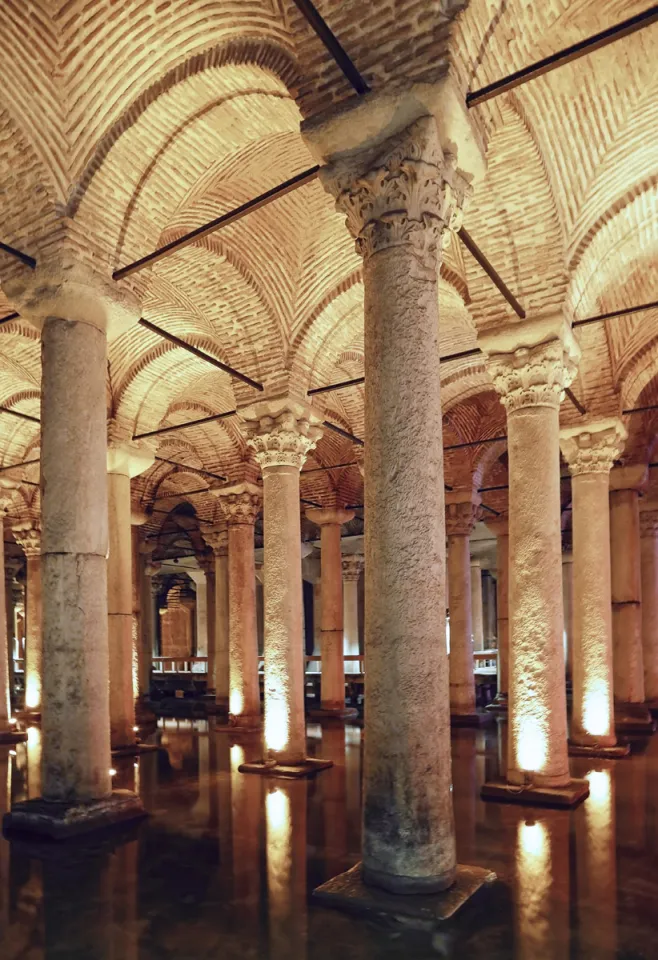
<point x="277" y="810"/>
<point x="531" y="743"/>
<point x="113" y="772"/>
<point x="600" y="789"/>
<point x="534" y="885"/>
<point x="596" y="710"/>
<point x="532" y="839"/>
<point x="32" y="692"/>
<point x="33" y="762"/>
<point x="279" y="852"/>
<point x="237" y="757"/>
<point x="135" y="658"/>
<point x="277" y="730"/>
<point x="235" y="703"/>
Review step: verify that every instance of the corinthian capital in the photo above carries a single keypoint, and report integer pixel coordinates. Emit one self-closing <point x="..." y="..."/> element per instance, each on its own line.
<point x="216" y="536"/>
<point x="28" y="535"/>
<point x="239" y="503"/>
<point x="404" y="193"/>
<point x="281" y="431"/>
<point x="353" y="564"/>
<point x="592" y="448"/>
<point x="461" y="513"/>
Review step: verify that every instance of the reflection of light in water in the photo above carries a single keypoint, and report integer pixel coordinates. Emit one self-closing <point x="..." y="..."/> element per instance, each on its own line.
<point x="534" y="881"/>
<point x="600" y="790"/>
<point x="278" y="815"/>
<point x="597" y="868"/>
<point x="596" y="710"/>
<point x="135" y="653"/>
<point x="352" y="736"/>
<point x="236" y="703"/>
<point x="276" y="724"/>
<point x="279" y="852"/>
<point x="531" y="744"/>
<point x="32" y="691"/>
<point x="237" y="757"/>
<point x="314" y="731"/>
<point x="33" y="762"/>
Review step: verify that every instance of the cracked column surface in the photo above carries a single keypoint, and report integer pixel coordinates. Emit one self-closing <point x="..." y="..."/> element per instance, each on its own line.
<point x="77" y="311"/>
<point x="125" y="459"/>
<point x="400" y="196"/>
<point x="590" y="450"/>
<point x="461" y="512"/>
<point x="332" y="681"/>
<point x="28" y="535"/>
<point x="240" y="505"/>
<point x="649" y="569"/>
<point x="500" y="527"/>
<point x="626" y="484"/>
<point x="531" y="363"/>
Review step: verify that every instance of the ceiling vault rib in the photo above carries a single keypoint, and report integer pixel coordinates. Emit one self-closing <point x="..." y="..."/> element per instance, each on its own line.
<point x="562" y="57"/>
<point x="300" y="180"/>
<point x="331" y="42"/>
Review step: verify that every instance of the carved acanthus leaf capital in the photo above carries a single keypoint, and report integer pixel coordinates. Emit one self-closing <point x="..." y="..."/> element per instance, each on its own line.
<point x="28" y="535"/>
<point x="461" y="517"/>
<point x="239" y="503"/>
<point x="353" y="564"/>
<point x="216" y="536"/>
<point x="406" y="193"/>
<point x="593" y="448"/>
<point x="532" y="376"/>
<point x="281" y="432"/>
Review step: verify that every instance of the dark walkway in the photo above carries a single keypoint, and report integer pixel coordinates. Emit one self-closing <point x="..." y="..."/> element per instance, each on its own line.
<point x="223" y="866"/>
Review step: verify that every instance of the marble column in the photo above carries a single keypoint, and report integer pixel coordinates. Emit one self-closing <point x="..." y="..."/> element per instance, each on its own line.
<point x="649" y="573"/>
<point x="77" y="311"/>
<point x="125" y="459"/>
<point x="461" y="512"/>
<point x="8" y="732"/>
<point x="400" y="196"/>
<point x="500" y="527"/>
<point x="631" y="712"/>
<point x="531" y="363"/>
<point x="352" y="570"/>
<point x="240" y="506"/>
<point x="567" y="602"/>
<point x="590" y="450"/>
<point x="28" y="535"/>
<point x="489" y="604"/>
<point x="477" y="605"/>
<point x="282" y="431"/>
<point x="332" y="682"/>
<point x="200" y="611"/>
<point x="147" y="569"/>
<point x="216" y="536"/>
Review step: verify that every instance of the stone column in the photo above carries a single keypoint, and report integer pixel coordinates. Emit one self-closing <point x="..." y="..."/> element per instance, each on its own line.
<point x="8" y="732"/>
<point x="631" y="712"/>
<point x="216" y="536"/>
<point x="332" y="683"/>
<point x="649" y="571"/>
<point x="477" y="605"/>
<point x="567" y="601"/>
<point x="400" y="195"/>
<point x="125" y="459"/>
<point x="531" y="363"/>
<point x="240" y="505"/>
<point x="77" y="311"/>
<point x="28" y="535"/>
<point x="201" y="611"/>
<point x="500" y="528"/>
<point x="461" y="511"/>
<point x="352" y="569"/>
<point x="489" y="604"/>
<point x="590" y="450"/>
<point x="148" y="569"/>
<point x="282" y="431"/>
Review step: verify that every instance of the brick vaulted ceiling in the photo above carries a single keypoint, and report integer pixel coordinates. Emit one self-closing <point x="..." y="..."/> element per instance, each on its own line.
<point x="131" y="123"/>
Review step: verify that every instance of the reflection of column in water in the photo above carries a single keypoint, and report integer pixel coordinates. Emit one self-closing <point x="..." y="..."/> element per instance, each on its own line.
<point x="632" y="826"/>
<point x="496" y="759"/>
<point x="246" y="803"/>
<point x="464" y="792"/>
<point x="202" y="808"/>
<point x="285" y="813"/>
<point x="33" y="762"/>
<point x="353" y="754"/>
<point x="5" y="807"/>
<point x="123" y="886"/>
<point x="542" y="888"/>
<point x="77" y="906"/>
<point x="596" y="870"/>
<point x="334" y="799"/>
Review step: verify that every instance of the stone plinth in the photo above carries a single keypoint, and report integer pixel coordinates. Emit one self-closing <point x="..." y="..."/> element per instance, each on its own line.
<point x="58" y="820"/>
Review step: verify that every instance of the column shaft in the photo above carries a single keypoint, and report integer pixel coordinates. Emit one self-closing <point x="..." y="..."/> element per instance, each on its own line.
<point x="649" y="566"/>
<point x="5" y="699"/>
<point x="462" y="680"/>
<point x="220" y="666"/>
<point x="333" y="665"/>
<point x="119" y="609"/>
<point x="477" y="605"/>
<point x="33" y="635"/>
<point x="244" y="702"/>
<point x="626" y="597"/>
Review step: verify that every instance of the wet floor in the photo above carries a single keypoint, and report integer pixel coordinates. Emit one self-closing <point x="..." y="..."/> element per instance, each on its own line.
<point x="224" y="865"/>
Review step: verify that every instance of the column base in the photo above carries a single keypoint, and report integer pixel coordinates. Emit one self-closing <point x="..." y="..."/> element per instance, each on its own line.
<point x="333" y="713"/>
<point x="58" y="820"/>
<point x="130" y="749"/>
<point x="568" y="796"/>
<point x="500" y="704"/>
<point x="634" y="718"/>
<point x="593" y="750"/>
<point x="12" y="735"/>
<point x="424" y="911"/>
<point x="283" y="771"/>
<point x="470" y="719"/>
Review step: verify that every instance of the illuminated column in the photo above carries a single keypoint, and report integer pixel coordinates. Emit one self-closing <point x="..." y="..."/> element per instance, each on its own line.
<point x="352" y="568"/>
<point x="282" y="431"/>
<point x="531" y="363"/>
<point x="631" y="712"/>
<point x="146" y="630"/>
<point x="207" y="564"/>
<point x="216" y="536"/>
<point x="590" y="451"/>
<point x="8" y="732"/>
<point x="200" y="611"/>
<point x="332" y="682"/>
<point x="567" y="602"/>
<point x="477" y="605"/>
<point x="400" y="196"/>
<point x="596" y="858"/>
<point x="125" y="459"/>
<point x="240" y="505"/>
<point x="76" y="311"/>
<point x="649" y="569"/>
<point x="461" y="512"/>
<point x="28" y="535"/>
<point x="500" y="527"/>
